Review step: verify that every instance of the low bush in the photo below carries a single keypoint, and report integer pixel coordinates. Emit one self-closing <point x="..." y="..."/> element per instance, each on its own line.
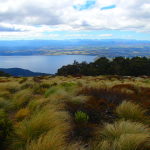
<point x="81" y="117"/>
<point x="112" y="96"/>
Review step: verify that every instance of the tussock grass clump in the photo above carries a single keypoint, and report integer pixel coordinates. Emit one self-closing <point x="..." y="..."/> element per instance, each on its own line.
<point x="36" y="104"/>
<point x="45" y="85"/>
<point x="37" y="89"/>
<point x="65" y="86"/>
<point x="130" y="111"/>
<point x="13" y="89"/>
<point x="27" y="85"/>
<point x="114" y="131"/>
<point x="5" y="94"/>
<point x="69" y="86"/>
<point x="51" y="90"/>
<point x="39" y="124"/>
<point x="75" y="146"/>
<point x="123" y="135"/>
<point x="132" y="142"/>
<point x="5" y="104"/>
<point x="23" y="80"/>
<point x="22" y="113"/>
<point x="22" y="98"/>
<point x="53" y="140"/>
<point x="80" y="99"/>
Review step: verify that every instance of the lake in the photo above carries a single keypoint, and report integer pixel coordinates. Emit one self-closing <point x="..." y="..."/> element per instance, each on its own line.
<point x="44" y="64"/>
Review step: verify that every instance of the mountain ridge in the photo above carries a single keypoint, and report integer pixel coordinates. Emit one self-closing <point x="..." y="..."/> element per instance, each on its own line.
<point x="19" y="72"/>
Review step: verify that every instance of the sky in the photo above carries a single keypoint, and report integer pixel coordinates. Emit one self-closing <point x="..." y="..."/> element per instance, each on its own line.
<point x="74" y="19"/>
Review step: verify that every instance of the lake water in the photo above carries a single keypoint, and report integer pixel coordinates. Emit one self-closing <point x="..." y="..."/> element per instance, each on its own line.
<point x="45" y="64"/>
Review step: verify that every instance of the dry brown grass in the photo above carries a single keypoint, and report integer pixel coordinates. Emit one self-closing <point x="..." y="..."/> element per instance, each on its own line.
<point x="43" y="111"/>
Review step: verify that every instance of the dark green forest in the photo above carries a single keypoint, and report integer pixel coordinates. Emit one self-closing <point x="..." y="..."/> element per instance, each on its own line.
<point x="136" y="66"/>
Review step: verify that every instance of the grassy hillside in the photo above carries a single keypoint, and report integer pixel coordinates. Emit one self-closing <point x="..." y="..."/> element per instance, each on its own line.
<point x="75" y="113"/>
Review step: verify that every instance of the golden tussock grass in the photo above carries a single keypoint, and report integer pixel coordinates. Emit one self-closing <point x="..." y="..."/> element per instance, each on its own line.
<point x="131" y="111"/>
<point x="42" y="111"/>
<point x="22" y="113"/>
<point x="123" y="135"/>
<point x="39" y="124"/>
<point x="22" y="97"/>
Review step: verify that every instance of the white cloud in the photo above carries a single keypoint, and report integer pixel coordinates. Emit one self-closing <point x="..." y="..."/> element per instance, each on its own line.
<point x="39" y="16"/>
<point x="23" y="35"/>
<point x="105" y="35"/>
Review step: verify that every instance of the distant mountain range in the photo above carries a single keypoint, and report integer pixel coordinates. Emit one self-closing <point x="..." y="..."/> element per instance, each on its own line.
<point x="18" y="72"/>
<point x="107" y="48"/>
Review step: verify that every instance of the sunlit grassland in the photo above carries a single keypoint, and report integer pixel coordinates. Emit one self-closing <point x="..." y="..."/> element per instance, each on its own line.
<point x="75" y="113"/>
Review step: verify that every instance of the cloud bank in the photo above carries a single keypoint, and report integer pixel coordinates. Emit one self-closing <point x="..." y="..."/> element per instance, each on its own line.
<point x="40" y="16"/>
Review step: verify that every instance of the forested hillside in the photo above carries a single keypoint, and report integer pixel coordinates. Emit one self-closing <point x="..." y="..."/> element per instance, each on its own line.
<point x="135" y="66"/>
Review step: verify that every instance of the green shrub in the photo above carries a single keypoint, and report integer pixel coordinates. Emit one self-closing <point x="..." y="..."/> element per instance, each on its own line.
<point x="81" y="117"/>
<point x="130" y="111"/>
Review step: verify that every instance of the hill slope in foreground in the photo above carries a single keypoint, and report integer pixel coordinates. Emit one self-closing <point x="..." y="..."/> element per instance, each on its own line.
<point x="75" y="113"/>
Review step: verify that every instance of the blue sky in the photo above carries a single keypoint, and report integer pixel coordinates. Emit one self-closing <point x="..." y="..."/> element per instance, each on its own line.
<point x="108" y="7"/>
<point x="74" y="19"/>
<point x="87" y="5"/>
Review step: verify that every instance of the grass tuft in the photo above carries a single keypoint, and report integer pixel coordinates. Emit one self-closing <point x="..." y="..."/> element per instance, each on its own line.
<point x="22" y="113"/>
<point x="39" y="124"/>
<point x="130" y="111"/>
<point x="123" y="135"/>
